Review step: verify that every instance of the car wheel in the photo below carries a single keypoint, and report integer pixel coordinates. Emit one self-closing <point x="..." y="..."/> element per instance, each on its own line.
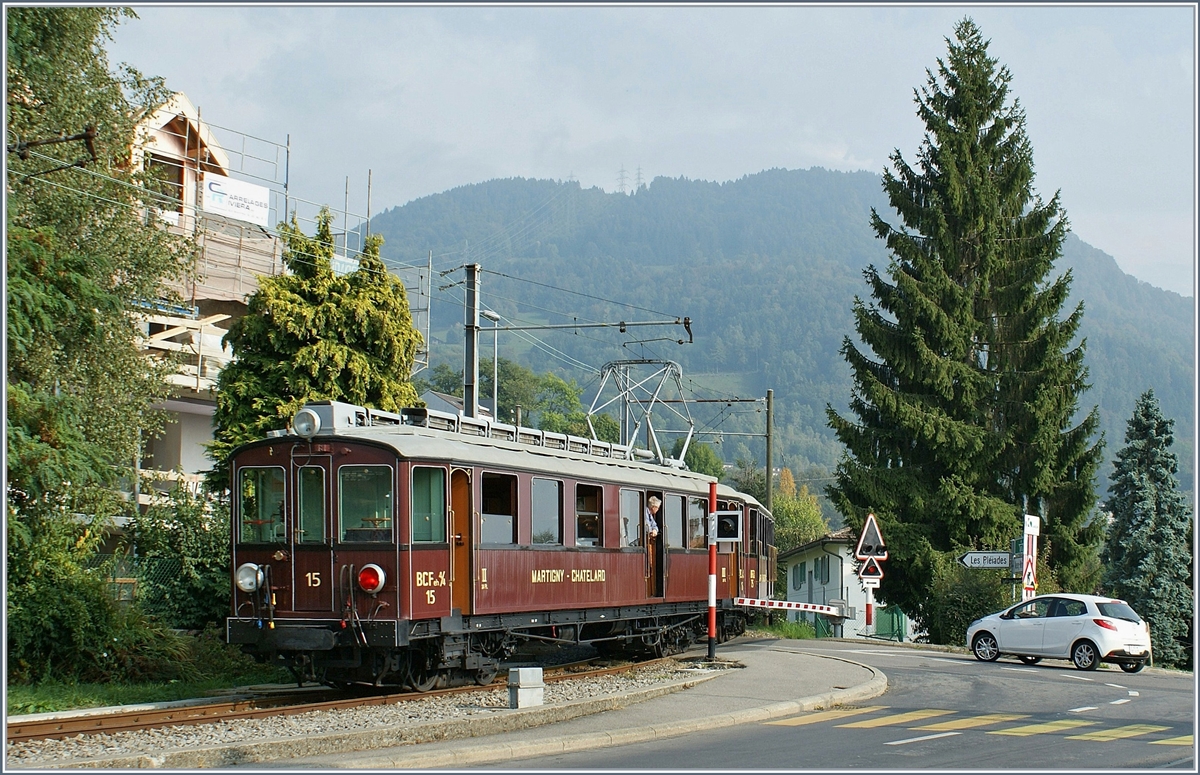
<point x="985" y="647"/>
<point x="1132" y="667"/>
<point x="1029" y="660"/>
<point x="1085" y="656"/>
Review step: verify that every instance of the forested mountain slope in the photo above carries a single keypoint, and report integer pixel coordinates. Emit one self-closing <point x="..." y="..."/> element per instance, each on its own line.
<point x="767" y="268"/>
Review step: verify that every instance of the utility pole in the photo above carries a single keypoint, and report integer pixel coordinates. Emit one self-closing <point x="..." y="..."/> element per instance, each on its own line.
<point x="471" y="324"/>
<point x="770" y="411"/>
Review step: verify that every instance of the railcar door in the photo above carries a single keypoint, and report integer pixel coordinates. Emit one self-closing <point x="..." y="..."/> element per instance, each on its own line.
<point x="461" y="542"/>
<point x="312" y="555"/>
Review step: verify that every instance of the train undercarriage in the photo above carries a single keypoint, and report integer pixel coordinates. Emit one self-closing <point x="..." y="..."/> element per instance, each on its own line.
<point x="458" y="651"/>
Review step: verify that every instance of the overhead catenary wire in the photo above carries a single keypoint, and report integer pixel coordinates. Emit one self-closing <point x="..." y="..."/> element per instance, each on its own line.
<point x="145" y="197"/>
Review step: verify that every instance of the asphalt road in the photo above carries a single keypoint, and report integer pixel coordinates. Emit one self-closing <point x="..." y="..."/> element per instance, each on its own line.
<point x="946" y="710"/>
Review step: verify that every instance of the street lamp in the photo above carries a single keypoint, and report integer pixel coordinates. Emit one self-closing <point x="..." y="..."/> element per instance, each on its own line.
<point x="492" y="316"/>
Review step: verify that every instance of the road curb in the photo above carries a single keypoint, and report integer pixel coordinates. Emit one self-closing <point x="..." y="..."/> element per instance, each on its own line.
<point x="493" y="752"/>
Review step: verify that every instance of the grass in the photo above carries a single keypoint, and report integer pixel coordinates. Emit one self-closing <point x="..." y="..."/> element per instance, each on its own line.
<point x="788" y="629"/>
<point x="218" y="667"/>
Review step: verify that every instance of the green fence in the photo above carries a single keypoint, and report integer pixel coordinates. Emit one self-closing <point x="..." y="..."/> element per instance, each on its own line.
<point x="126" y="574"/>
<point x="890" y="623"/>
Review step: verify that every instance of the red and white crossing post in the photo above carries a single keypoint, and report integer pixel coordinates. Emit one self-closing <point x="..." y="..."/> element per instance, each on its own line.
<point x="712" y="571"/>
<point x="870" y="551"/>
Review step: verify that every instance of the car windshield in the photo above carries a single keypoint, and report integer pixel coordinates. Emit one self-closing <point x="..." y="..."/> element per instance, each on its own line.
<point x="1118" y="610"/>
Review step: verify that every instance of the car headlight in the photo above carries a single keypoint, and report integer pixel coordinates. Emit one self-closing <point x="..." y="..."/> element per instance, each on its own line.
<point x="249" y="577"/>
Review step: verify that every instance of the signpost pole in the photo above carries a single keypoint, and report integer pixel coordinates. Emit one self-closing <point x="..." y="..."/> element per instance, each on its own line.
<point x="870" y="551"/>
<point x="712" y="572"/>
<point x="1033" y="525"/>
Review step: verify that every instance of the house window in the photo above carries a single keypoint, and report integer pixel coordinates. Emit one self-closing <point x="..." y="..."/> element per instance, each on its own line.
<point x="498" y="521"/>
<point x="798" y="572"/>
<point x="587" y="515"/>
<point x="165" y="179"/>
<point x="366" y="503"/>
<point x="546" y="509"/>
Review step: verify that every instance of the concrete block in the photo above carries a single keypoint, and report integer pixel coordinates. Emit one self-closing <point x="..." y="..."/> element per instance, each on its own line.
<point x="525" y="687"/>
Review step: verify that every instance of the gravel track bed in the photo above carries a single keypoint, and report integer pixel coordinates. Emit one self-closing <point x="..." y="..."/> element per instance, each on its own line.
<point x="410" y="713"/>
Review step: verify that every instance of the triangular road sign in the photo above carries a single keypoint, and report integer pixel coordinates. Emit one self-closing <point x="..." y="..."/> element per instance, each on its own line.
<point x="870" y="543"/>
<point x="871" y="569"/>
<point x="1029" y="576"/>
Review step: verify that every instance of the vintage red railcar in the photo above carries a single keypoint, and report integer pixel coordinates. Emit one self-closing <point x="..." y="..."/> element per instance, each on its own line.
<point x="420" y="548"/>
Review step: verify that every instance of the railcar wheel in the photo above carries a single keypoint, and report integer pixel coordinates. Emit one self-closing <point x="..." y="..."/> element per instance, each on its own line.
<point x="423" y="680"/>
<point x="1029" y="660"/>
<point x="485" y="675"/>
<point x="1132" y="667"/>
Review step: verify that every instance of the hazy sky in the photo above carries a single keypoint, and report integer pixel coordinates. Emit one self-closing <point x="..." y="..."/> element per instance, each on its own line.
<point x="429" y="98"/>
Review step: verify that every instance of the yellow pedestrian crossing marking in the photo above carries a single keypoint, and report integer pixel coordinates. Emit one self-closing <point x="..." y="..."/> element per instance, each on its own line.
<point x="955" y="725"/>
<point x="1182" y="740"/>
<point x="899" y="718"/>
<point x="1038" y="729"/>
<point x="825" y="715"/>
<point x="1119" y="733"/>
<point x="973" y="722"/>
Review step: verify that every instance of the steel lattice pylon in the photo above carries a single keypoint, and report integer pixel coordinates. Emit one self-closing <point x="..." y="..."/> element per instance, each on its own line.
<point x="637" y="394"/>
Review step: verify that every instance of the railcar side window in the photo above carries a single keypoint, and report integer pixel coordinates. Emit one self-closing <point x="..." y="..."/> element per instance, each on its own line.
<point x="546" y="511"/>
<point x="498" y="519"/>
<point x="366" y="503"/>
<point x="311" y="528"/>
<point x="428" y="505"/>
<point x="673" y="521"/>
<point x="752" y="546"/>
<point x="587" y="515"/>
<point x="261" y="491"/>
<point x="697" y="523"/>
<point x="631" y="516"/>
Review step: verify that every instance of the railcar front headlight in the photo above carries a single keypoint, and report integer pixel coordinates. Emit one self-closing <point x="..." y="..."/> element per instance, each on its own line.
<point x="249" y="577"/>
<point x="306" y="423"/>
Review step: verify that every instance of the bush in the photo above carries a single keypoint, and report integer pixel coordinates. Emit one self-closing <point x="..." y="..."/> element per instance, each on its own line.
<point x="63" y="623"/>
<point x="959" y="596"/>
<point x="182" y="551"/>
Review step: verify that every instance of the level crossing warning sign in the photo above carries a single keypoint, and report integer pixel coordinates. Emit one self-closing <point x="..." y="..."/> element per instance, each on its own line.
<point x="870" y="543"/>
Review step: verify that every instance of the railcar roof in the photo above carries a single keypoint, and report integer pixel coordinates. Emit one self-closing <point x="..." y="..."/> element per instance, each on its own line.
<point x="416" y="442"/>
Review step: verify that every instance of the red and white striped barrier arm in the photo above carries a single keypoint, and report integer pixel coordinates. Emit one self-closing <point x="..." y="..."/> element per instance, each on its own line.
<point x="828" y="610"/>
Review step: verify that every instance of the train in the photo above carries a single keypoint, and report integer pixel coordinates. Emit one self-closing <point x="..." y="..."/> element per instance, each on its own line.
<point x="421" y="548"/>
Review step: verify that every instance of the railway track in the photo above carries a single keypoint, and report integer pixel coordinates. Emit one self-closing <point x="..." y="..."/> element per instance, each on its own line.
<point x="260" y="707"/>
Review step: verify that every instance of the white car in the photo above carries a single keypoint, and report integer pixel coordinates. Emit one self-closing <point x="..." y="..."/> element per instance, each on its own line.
<point x="1085" y="629"/>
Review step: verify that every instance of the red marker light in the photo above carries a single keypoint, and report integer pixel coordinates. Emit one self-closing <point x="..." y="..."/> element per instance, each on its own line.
<point x="371" y="578"/>
<point x="1106" y="624"/>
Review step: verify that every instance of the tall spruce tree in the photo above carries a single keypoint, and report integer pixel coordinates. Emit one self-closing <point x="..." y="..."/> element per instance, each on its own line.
<point x="1148" y="554"/>
<point x="964" y="422"/>
<point x="314" y="335"/>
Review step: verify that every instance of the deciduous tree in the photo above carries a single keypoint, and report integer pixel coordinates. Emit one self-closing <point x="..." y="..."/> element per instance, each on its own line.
<point x="79" y="393"/>
<point x="700" y="458"/>
<point x="1148" y="553"/>
<point x="964" y="416"/>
